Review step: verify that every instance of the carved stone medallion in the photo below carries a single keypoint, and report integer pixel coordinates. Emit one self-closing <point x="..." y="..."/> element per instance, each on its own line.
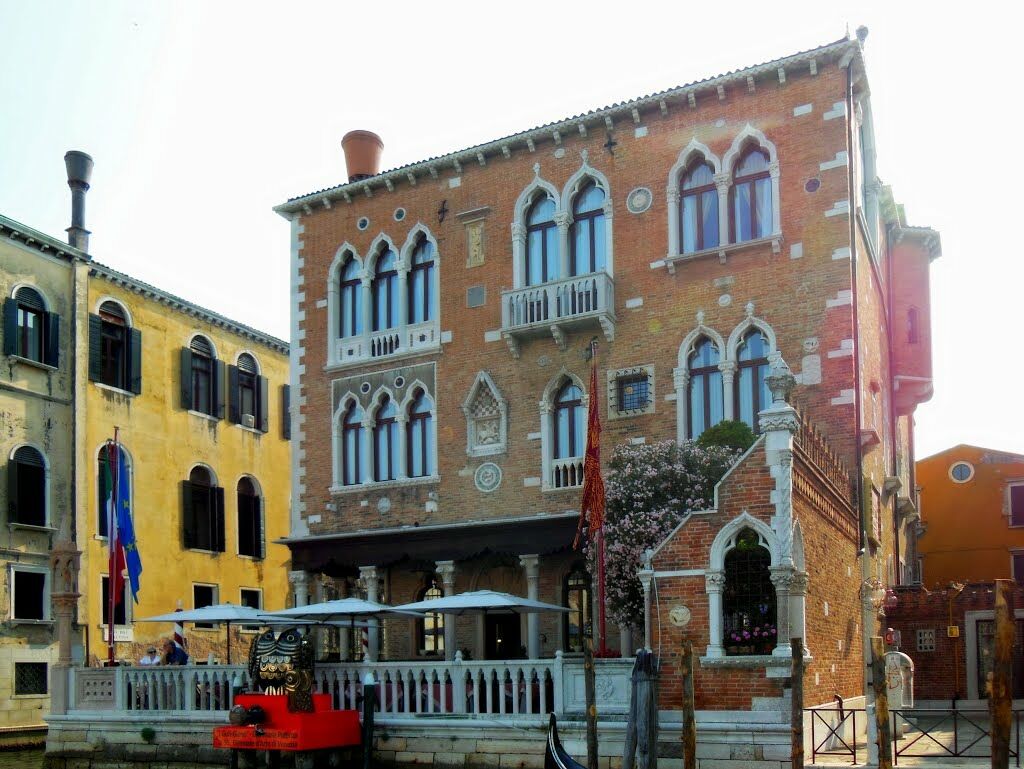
<point x="487" y="477"/>
<point x="639" y="200"/>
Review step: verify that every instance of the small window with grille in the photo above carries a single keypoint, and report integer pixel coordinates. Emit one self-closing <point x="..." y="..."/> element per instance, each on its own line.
<point x="30" y="678"/>
<point x="926" y="640"/>
<point x="630" y="391"/>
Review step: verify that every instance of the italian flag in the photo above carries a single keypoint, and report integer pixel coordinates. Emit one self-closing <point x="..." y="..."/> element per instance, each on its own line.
<point x="117" y="563"/>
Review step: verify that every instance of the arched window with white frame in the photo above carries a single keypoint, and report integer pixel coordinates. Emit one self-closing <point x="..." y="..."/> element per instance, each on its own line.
<point x="698" y="207"/>
<point x="385" y="441"/>
<point x="350" y="299"/>
<point x="587" y="236"/>
<point x="384" y="290"/>
<point x="419" y="441"/>
<point x="353" y="437"/>
<point x="422" y="302"/>
<point x="749" y="614"/>
<point x="542" y="257"/>
<point x="751" y="389"/>
<point x="705" y="398"/>
<point x="751" y="195"/>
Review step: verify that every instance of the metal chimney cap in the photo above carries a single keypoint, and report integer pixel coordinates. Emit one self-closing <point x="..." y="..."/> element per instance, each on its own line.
<point x="79" y="167"/>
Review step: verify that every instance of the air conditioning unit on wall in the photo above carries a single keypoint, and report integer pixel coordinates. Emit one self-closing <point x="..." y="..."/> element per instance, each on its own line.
<point x="248" y="420"/>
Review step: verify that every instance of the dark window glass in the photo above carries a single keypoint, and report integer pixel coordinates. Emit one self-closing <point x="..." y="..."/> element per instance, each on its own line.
<point x="120" y="617"/>
<point x="633" y="392"/>
<point x="384" y="290"/>
<point x="113" y="346"/>
<point x="751" y="196"/>
<point x="587" y="237"/>
<point x="706" y="397"/>
<point x="31" y="678"/>
<point x="352" y="436"/>
<point x="29" y="595"/>
<point x="1017" y="565"/>
<point x="385" y="442"/>
<point x="350" y="300"/>
<point x="202" y="375"/>
<point x="203" y="595"/>
<point x="206" y="511"/>
<point x="247" y="397"/>
<point x="250" y="520"/>
<point x="570" y="422"/>
<point x="541" y="243"/>
<point x="420" y="429"/>
<point x="1017" y="505"/>
<point x="698" y="212"/>
<point x="254" y="600"/>
<point x="748" y="598"/>
<point x="421" y="283"/>
<point x="578" y="621"/>
<point x="430" y="629"/>
<point x="31" y="324"/>
<point x="27" y="487"/>
<point x="752" y="392"/>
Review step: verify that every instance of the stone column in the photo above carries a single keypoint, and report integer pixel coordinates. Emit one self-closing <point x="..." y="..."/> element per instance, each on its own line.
<point x="403" y="465"/>
<point x="798" y="607"/>
<point x="367" y="288"/>
<point x="518" y="255"/>
<point x="531" y="565"/>
<point x="714" y="583"/>
<point x="64" y="567"/>
<point x="368" y="574"/>
<point x="625" y="641"/>
<point x="545" y="445"/>
<point x="681" y="380"/>
<point x="446" y="570"/>
<point x="402" y="266"/>
<point x="646" y="578"/>
<point x="728" y="369"/>
<point x="782" y="578"/>
<point x="672" y="198"/>
<point x="723" y="182"/>
<point x="299" y="581"/>
<point x="564" y="221"/>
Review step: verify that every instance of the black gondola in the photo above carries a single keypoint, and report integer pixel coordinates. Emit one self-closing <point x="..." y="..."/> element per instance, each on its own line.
<point x="555" y="756"/>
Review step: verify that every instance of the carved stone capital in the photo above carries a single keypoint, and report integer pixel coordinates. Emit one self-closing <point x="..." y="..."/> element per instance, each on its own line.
<point x="773" y="419"/>
<point x="798" y="584"/>
<point x="531" y="565"/>
<point x="714" y="581"/>
<point x="680" y="377"/>
<point x="782" y="577"/>
<point x="518" y="231"/>
<point x="727" y="367"/>
<point x="646" y="576"/>
<point x="673" y="196"/>
<point x="446" y="570"/>
<point x="298" y="578"/>
<point x="773" y="170"/>
<point x="723" y="180"/>
<point x="563" y="219"/>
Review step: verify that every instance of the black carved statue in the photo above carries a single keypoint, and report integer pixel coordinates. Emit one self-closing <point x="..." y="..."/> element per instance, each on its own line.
<point x="283" y="664"/>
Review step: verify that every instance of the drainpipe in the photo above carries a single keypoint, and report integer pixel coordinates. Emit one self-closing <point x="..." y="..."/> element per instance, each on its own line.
<point x="867" y="610"/>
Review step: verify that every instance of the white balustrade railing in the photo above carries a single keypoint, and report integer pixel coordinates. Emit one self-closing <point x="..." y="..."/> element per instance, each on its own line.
<point x="566" y="473"/>
<point x="404" y="689"/>
<point x="561" y="300"/>
<point x="381" y="344"/>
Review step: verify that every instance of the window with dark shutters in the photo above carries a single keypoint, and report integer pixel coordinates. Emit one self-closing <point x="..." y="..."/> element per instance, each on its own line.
<point x="250" y="523"/>
<point x="199" y="369"/>
<point x="286" y="408"/>
<point x="1017" y="505"/>
<point x="26" y="487"/>
<point x="30" y="332"/>
<point x="115" y="349"/>
<point x="202" y="512"/>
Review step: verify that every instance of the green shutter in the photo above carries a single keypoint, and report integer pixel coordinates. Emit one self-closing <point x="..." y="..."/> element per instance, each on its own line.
<point x="95" y="348"/>
<point x="286" y="415"/>
<point x="103" y="489"/>
<point x="263" y="406"/>
<point x="233" y="409"/>
<point x="217" y="519"/>
<point x="186" y="378"/>
<point x="12" y="492"/>
<point x="257" y="526"/>
<point x="188" y="515"/>
<point x="51" y="339"/>
<point x="218" y="389"/>
<point x="135" y="356"/>
<point x="10" y="327"/>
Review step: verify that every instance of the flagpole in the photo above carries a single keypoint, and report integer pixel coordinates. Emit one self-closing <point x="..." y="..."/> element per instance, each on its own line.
<point x="112" y="546"/>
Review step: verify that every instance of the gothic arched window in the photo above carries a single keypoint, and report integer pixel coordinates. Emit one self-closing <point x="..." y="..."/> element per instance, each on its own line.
<point x="578" y="620"/>
<point x="421" y="282"/>
<point x="420" y="437"/>
<point x="352" y="445"/>
<point x="430" y="629"/>
<point x="752" y="392"/>
<point x="587" y="237"/>
<point x="698" y="212"/>
<point x="748" y="599"/>
<point x="350" y="297"/>
<point x="751" y="196"/>
<point x="384" y="290"/>
<point x="541" y="242"/>
<point x="385" y="441"/>
<point x="705" y="400"/>
<point x="569" y="423"/>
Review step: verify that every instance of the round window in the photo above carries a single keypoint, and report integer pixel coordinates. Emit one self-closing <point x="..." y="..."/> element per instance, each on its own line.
<point x="399" y="381"/>
<point x="363" y="223"/>
<point x="399" y="214"/>
<point x="961" y="472"/>
<point x="364" y="388"/>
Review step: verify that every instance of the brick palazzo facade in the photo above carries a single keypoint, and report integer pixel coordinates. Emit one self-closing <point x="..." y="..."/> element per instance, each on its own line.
<point x="710" y="237"/>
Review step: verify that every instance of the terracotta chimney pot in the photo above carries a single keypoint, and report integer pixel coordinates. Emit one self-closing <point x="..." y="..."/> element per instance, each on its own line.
<point x="362" y="154"/>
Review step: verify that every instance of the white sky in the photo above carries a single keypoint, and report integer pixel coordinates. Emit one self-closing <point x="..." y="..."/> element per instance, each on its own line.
<point x="202" y="116"/>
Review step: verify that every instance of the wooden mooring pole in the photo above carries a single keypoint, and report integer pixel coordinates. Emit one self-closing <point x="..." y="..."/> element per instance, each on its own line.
<point x="1001" y="685"/>
<point x="881" y="703"/>
<point x="797" y="697"/>
<point x="689" y="736"/>
<point x="589" y="690"/>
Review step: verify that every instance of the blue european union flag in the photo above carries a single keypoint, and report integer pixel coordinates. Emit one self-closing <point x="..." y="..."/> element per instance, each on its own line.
<point x="125" y="526"/>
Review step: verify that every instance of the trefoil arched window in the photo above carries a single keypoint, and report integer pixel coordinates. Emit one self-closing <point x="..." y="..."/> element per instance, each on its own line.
<point x="352" y="446"/>
<point x="384" y="291"/>
<point x="698" y="213"/>
<point x="350" y="296"/>
<point x="587" y="237"/>
<point x="385" y="441"/>
<point x="751" y="196"/>
<point x="706" y="398"/>
<point x="541" y="242"/>
<point x="421" y="283"/>
<point x="748" y="599"/>
<point x="419" y="441"/>
<point x="752" y="393"/>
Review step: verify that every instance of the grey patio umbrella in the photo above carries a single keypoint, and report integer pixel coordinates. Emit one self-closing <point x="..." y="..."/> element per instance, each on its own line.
<point x="481" y="602"/>
<point x="216" y="614"/>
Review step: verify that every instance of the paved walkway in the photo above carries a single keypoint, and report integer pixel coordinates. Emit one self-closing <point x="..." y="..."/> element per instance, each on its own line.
<point x="933" y="742"/>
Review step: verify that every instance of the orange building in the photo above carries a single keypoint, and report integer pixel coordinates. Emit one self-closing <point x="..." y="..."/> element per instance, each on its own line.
<point x="972" y="516"/>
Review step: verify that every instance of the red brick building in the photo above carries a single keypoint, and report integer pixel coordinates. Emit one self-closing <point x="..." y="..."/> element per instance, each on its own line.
<point x="720" y="240"/>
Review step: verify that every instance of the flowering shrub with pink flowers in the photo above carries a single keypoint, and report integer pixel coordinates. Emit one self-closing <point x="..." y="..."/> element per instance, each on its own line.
<point x="649" y="489"/>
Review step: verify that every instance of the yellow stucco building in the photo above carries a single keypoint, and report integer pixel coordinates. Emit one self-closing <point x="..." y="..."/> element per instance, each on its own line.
<point x="972" y="516"/>
<point x="41" y="279"/>
<point x="199" y="402"/>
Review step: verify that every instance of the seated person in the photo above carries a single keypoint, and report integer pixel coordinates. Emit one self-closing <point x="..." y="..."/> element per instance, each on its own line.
<point x="174" y="654"/>
<point x="151" y="657"/>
